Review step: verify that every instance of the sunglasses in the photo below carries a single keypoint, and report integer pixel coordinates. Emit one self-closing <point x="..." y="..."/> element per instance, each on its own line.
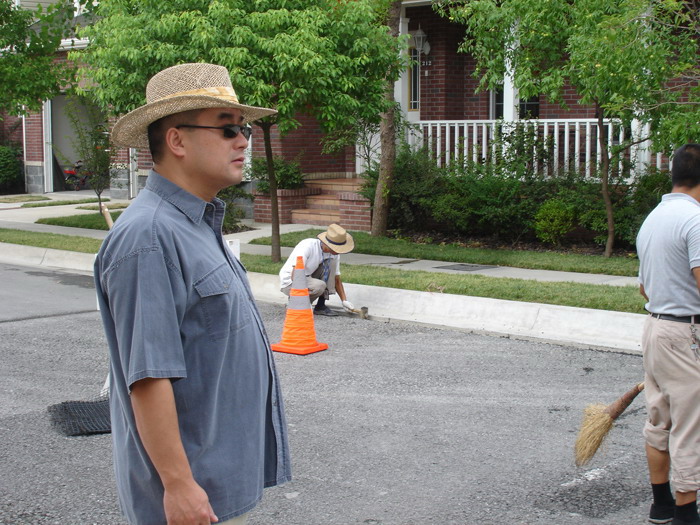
<point x="231" y="131"/>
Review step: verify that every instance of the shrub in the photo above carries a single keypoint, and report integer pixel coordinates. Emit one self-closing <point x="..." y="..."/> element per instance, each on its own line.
<point x="233" y="212"/>
<point x="553" y="220"/>
<point x="288" y="173"/>
<point x="11" y="177"/>
<point x="417" y="181"/>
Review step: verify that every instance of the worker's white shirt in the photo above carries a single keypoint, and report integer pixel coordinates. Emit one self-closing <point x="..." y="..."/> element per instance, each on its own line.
<point x="313" y="256"/>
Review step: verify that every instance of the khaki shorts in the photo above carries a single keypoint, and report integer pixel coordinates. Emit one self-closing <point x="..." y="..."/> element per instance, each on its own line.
<point x="672" y="391"/>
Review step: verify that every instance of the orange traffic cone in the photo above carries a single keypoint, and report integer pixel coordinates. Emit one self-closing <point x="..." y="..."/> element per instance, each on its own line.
<point x="298" y="334"/>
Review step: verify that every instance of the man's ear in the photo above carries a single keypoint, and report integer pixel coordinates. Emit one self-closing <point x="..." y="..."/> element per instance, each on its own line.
<point x="174" y="141"/>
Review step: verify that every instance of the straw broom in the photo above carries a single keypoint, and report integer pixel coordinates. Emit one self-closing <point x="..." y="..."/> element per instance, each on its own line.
<point x="597" y="421"/>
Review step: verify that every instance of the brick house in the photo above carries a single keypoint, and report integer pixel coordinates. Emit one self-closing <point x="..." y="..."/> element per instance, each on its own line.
<point x="437" y="96"/>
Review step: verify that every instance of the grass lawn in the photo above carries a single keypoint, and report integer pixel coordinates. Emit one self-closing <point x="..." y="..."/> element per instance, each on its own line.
<point x="51" y="240"/>
<point x="61" y="202"/>
<point x="23" y="198"/>
<point x="600" y="297"/>
<point x="113" y="206"/>
<point x="91" y="221"/>
<point x="622" y="299"/>
<point x="536" y="260"/>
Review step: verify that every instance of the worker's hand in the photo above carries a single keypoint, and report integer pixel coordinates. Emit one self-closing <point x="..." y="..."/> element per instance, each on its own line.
<point x="348" y="306"/>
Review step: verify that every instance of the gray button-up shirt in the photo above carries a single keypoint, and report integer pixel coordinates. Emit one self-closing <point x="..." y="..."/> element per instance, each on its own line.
<point x="176" y="304"/>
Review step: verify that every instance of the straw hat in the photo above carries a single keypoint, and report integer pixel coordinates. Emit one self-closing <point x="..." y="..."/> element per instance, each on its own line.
<point x="337" y="239"/>
<point x="177" y="89"/>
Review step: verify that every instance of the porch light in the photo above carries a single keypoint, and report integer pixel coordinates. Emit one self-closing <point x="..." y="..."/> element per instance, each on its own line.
<point x="420" y="41"/>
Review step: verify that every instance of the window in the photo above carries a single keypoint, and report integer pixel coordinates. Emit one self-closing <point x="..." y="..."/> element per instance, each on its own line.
<point x="527" y="108"/>
<point x="414" y="80"/>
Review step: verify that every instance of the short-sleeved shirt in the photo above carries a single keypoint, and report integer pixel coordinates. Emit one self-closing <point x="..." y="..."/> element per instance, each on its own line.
<point x="313" y="255"/>
<point x="668" y="246"/>
<point x="176" y="304"/>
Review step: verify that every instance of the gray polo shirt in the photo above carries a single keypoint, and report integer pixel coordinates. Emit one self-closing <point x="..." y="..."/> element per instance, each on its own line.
<point x="176" y="304"/>
<point x="668" y="246"/>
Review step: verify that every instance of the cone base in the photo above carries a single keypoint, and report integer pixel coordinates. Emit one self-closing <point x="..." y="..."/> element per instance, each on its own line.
<point x="281" y="347"/>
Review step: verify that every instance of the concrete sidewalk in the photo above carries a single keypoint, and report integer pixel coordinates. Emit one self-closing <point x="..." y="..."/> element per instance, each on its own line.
<point x="577" y="326"/>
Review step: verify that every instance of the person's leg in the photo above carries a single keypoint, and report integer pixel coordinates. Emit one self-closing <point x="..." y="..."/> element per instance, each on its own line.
<point x="663" y="507"/>
<point x="676" y="382"/>
<point x="316" y="288"/>
<point x="656" y="431"/>
<point x="659" y="462"/>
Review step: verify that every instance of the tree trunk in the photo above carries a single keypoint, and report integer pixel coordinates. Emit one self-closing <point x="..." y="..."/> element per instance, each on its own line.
<point x="604" y="180"/>
<point x="387" y="137"/>
<point x="275" y="253"/>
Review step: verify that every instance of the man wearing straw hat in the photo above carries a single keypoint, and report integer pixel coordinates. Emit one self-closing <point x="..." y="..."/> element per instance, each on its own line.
<point x="198" y="425"/>
<point x="668" y="245"/>
<point x="322" y="267"/>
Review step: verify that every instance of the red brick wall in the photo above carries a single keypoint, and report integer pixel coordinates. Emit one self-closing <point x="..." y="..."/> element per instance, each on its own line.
<point x="304" y="144"/>
<point x="11" y="129"/>
<point x="34" y="134"/>
<point x="443" y="69"/>
<point x="448" y="92"/>
<point x="355" y="212"/>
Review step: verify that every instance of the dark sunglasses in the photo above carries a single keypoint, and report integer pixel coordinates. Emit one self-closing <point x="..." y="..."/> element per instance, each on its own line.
<point x="231" y="131"/>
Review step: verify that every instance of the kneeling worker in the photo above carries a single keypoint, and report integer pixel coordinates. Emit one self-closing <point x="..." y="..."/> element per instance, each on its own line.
<point x="322" y="267"/>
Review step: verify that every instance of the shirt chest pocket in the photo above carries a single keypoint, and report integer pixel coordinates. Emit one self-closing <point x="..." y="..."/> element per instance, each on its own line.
<point x="223" y="302"/>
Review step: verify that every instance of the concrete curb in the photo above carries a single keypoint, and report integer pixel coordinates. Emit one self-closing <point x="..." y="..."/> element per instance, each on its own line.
<point x="47" y="257"/>
<point x="582" y="327"/>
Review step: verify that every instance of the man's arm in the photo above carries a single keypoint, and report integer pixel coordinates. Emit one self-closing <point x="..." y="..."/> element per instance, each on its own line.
<point x="643" y="291"/>
<point x="184" y="501"/>
<point x="339" y="288"/>
<point x="696" y="274"/>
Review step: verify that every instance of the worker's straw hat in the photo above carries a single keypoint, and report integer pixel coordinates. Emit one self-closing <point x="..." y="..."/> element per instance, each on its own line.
<point x="177" y="89"/>
<point x="337" y="239"/>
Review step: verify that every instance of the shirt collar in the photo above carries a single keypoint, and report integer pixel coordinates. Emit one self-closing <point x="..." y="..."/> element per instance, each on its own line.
<point x="679" y="195"/>
<point x="193" y="207"/>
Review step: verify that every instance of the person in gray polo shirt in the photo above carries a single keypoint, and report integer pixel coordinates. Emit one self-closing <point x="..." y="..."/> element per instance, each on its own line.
<point x="198" y="425"/>
<point x="668" y="245"/>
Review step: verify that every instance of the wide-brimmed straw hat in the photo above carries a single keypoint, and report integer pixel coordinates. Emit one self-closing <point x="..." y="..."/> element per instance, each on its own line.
<point x="177" y="89"/>
<point x="337" y="239"/>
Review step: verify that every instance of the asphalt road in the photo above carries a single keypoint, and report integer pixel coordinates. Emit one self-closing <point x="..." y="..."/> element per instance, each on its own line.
<point x="395" y="424"/>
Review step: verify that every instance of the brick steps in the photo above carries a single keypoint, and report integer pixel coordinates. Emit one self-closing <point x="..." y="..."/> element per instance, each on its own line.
<point x="324" y="201"/>
<point x="324" y="208"/>
<point x="321" y="202"/>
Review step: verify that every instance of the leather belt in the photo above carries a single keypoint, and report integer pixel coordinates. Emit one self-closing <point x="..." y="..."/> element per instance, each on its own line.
<point x="685" y="319"/>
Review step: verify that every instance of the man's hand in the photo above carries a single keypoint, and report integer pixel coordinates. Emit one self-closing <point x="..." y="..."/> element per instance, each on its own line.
<point x="348" y="306"/>
<point x="186" y="503"/>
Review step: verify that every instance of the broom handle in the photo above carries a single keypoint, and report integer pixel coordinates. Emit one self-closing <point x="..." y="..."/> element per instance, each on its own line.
<point x="616" y="408"/>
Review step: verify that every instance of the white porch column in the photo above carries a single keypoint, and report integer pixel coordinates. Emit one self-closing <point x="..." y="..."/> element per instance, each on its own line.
<point x="641" y="153"/>
<point x="510" y="97"/>
<point x="133" y="173"/>
<point x="48" y="147"/>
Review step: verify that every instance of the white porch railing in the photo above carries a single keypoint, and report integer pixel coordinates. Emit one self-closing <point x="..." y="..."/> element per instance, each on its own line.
<point x="571" y="144"/>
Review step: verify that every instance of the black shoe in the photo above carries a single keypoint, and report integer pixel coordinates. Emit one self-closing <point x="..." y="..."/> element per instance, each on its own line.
<point x="678" y="521"/>
<point x="661" y="513"/>
<point x="324" y="310"/>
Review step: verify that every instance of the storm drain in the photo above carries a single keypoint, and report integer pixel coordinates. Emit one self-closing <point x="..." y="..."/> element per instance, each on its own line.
<point x="466" y="267"/>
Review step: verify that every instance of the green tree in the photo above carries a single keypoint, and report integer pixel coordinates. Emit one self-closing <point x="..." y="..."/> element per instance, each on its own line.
<point x="29" y="40"/>
<point x="387" y="138"/>
<point x="329" y="58"/>
<point x="92" y="143"/>
<point x="619" y="55"/>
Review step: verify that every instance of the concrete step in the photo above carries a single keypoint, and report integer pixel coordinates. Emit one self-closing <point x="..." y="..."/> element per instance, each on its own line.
<point x="335" y="186"/>
<point x="324" y="201"/>
<point x="317" y="217"/>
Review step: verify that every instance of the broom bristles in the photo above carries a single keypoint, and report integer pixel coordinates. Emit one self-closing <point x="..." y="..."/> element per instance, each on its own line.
<point x="595" y="426"/>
